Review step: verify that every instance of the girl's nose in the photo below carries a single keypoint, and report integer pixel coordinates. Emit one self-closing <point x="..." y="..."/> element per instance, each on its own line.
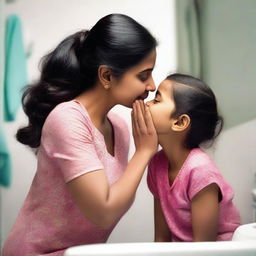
<point x="148" y="103"/>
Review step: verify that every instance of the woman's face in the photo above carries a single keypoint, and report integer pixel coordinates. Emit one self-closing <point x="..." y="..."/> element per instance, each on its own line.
<point x="162" y="107"/>
<point x="135" y="83"/>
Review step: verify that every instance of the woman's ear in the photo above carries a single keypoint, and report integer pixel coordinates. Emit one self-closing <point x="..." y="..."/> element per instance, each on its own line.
<point x="104" y="74"/>
<point x="181" y="123"/>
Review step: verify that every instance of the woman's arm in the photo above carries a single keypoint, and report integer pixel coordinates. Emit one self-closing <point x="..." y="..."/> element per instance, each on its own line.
<point x="103" y="204"/>
<point x="162" y="231"/>
<point x="205" y="213"/>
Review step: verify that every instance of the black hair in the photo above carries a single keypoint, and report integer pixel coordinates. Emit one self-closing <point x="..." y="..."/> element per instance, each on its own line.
<point x="196" y="99"/>
<point x="116" y="40"/>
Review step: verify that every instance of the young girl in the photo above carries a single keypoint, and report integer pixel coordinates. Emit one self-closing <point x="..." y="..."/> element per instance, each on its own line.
<point x="83" y="184"/>
<point x="192" y="201"/>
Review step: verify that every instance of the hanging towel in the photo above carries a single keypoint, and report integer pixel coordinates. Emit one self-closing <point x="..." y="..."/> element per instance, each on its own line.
<point x="5" y="162"/>
<point x="15" y="67"/>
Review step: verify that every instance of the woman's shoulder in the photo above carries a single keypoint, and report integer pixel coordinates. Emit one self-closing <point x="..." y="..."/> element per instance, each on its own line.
<point x="118" y="121"/>
<point x="68" y="107"/>
<point x="66" y="115"/>
<point x="116" y="117"/>
<point x="68" y="110"/>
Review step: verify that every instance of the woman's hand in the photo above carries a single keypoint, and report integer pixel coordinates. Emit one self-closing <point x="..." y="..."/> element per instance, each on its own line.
<point x="143" y="129"/>
<point x="103" y="204"/>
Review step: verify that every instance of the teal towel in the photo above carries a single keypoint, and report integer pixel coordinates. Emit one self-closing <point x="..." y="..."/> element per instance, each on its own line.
<point x="5" y="162"/>
<point x="15" y="67"/>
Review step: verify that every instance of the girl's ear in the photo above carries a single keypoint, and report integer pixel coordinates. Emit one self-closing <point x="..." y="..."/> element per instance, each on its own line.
<point x="181" y="123"/>
<point x="104" y="74"/>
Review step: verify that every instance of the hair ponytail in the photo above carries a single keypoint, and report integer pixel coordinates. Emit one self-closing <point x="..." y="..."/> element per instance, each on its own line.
<point x="71" y="68"/>
<point x="60" y="81"/>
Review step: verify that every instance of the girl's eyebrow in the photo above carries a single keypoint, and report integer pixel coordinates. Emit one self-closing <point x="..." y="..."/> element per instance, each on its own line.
<point x="158" y="93"/>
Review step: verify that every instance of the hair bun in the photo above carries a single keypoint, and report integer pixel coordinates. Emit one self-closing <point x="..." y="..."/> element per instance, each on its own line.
<point x="80" y="38"/>
<point x="83" y="35"/>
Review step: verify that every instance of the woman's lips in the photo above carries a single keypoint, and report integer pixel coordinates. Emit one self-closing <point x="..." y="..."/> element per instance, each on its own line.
<point x="143" y="97"/>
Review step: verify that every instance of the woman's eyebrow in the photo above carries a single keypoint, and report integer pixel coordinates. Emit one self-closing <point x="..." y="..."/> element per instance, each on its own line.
<point x="146" y="70"/>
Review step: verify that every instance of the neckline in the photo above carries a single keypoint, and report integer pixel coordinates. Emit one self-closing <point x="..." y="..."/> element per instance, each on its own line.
<point x="97" y="130"/>
<point x="179" y="172"/>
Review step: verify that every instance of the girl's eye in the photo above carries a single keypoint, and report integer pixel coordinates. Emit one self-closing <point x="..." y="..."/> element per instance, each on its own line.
<point x="156" y="101"/>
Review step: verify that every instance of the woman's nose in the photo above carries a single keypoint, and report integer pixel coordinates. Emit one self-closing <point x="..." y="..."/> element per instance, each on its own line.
<point x="151" y="86"/>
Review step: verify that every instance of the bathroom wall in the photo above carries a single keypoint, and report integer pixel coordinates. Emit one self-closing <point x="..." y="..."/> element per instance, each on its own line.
<point x="235" y="155"/>
<point x="217" y="43"/>
<point x="45" y="23"/>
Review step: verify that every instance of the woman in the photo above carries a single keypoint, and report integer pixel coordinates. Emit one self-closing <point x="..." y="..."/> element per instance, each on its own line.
<point x="83" y="184"/>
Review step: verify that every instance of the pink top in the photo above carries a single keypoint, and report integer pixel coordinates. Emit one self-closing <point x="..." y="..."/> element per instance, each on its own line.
<point x="50" y="221"/>
<point x="197" y="172"/>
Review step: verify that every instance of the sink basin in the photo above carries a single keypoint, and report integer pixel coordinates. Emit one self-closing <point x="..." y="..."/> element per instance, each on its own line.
<point x="231" y="248"/>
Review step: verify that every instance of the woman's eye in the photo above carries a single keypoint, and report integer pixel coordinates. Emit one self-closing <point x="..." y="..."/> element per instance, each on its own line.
<point x="143" y="78"/>
<point x="156" y="101"/>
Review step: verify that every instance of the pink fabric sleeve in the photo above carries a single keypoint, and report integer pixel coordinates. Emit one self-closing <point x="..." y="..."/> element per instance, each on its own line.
<point x="151" y="180"/>
<point x="201" y="177"/>
<point x="67" y="138"/>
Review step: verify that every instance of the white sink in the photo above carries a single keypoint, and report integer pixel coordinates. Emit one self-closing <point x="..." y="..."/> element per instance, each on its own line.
<point x="232" y="248"/>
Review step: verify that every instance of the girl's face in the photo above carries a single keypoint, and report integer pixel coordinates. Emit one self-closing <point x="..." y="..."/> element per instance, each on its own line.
<point x="135" y="83"/>
<point x="162" y="107"/>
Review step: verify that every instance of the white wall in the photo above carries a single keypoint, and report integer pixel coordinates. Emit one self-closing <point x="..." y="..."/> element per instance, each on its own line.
<point x="235" y="156"/>
<point x="46" y="22"/>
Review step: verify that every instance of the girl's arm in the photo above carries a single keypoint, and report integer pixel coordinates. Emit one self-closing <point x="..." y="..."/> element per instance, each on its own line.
<point x="205" y="213"/>
<point x="162" y="231"/>
<point x="103" y="204"/>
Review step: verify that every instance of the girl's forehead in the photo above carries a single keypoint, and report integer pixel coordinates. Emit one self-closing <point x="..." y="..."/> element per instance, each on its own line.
<point x="166" y="87"/>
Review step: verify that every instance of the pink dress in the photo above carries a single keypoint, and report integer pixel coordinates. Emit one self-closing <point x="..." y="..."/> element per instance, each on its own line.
<point x="197" y="172"/>
<point x="50" y="221"/>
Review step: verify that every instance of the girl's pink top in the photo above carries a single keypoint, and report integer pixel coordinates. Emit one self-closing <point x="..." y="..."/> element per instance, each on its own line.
<point x="197" y="172"/>
<point x="50" y="221"/>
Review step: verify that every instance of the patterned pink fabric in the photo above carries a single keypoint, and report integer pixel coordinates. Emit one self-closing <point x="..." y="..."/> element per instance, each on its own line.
<point x="197" y="172"/>
<point x="49" y="221"/>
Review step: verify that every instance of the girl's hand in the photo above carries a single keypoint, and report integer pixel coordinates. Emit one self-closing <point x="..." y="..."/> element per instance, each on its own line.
<point x="143" y="129"/>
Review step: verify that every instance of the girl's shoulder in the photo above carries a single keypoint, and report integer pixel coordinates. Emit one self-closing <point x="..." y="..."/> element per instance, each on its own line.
<point x="158" y="159"/>
<point x="199" y="158"/>
<point x="199" y="166"/>
<point x="158" y="155"/>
